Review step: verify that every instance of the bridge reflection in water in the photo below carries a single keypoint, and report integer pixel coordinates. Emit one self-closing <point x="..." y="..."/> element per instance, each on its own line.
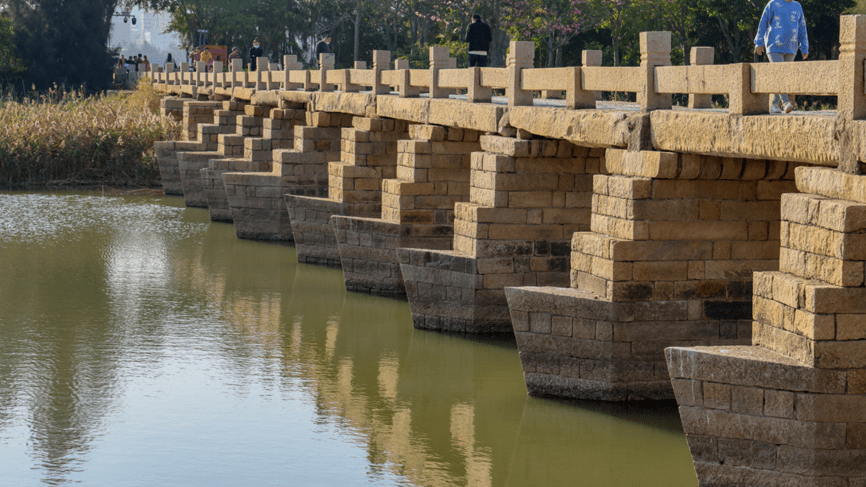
<point x="144" y="345"/>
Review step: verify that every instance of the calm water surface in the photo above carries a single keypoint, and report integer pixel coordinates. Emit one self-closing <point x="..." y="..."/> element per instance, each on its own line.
<point x="141" y="344"/>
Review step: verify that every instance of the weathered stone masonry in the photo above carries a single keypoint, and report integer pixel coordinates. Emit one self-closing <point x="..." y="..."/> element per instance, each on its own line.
<point x="417" y="208"/>
<point x="646" y="229"/>
<point x="527" y="198"/>
<point x="368" y="155"/>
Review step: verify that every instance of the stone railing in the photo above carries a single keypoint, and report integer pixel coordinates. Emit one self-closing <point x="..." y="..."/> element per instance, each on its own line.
<point x="654" y="81"/>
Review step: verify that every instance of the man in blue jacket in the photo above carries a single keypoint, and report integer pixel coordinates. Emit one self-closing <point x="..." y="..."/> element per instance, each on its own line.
<point x="783" y="31"/>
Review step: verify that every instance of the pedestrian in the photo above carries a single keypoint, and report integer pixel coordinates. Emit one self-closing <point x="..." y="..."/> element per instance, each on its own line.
<point x="323" y="47"/>
<point x="146" y="64"/>
<point x="781" y="33"/>
<point x="169" y="59"/>
<point x="121" y="62"/>
<point x="255" y="53"/>
<point x="478" y="36"/>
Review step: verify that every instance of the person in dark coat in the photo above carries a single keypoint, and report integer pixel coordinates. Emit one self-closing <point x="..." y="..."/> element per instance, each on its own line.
<point x="323" y="47"/>
<point x="478" y="36"/>
<point x="255" y="53"/>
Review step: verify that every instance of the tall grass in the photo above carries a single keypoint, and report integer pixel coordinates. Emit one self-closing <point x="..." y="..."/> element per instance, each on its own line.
<point x="66" y="138"/>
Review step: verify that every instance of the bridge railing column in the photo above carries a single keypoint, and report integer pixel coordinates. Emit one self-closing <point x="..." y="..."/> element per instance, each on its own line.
<point x="381" y="61"/>
<point x="439" y="59"/>
<point x="851" y="102"/>
<point x="655" y="50"/>
<point x="326" y="63"/>
<point x="576" y="97"/>
<point x="404" y="80"/>
<point x="521" y="55"/>
<point x="701" y="56"/>
<point x="291" y="63"/>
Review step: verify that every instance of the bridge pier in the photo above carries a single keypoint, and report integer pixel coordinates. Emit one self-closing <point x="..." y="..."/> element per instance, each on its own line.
<point x="668" y="262"/>
<point x="220" y="144"/>
<point x="257" y="199"/>
<point x="191" y="114"/>
<point x="254" y="154"/>
<point x="795" y="400"/>
<point x="527" y="197"/>
<point x="368" y="156"/>
<point x="417" y="208"/>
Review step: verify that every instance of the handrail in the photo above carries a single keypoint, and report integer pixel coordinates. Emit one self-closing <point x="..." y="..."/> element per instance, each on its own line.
<point x="747" y="85"/>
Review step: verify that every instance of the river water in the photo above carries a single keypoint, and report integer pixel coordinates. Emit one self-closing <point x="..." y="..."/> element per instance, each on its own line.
<point x="142" y="345"/>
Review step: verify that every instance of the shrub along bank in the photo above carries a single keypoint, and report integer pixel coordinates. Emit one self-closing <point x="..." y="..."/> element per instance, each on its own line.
<point x="65" y="138"/>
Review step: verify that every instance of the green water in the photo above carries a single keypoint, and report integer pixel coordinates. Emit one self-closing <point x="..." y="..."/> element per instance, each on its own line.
<point x="142" y="345"/>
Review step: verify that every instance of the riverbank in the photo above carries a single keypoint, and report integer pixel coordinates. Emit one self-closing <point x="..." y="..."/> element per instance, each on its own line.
<point x="63" y="139"/>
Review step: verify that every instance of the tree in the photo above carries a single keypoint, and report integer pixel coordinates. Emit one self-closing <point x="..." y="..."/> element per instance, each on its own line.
<point x="553" y="23"/>
<point x="63" y="42"/>
<point x="11" y="66"/>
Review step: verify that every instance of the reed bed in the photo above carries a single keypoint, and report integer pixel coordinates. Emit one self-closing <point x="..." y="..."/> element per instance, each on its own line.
<point x="66" y="138"/>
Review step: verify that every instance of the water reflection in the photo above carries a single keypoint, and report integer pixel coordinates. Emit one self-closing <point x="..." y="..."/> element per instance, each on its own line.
<point x="139" y="338"/>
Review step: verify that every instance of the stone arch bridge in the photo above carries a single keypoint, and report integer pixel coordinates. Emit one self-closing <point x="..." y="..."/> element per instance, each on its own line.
<point x="637" y="251"/>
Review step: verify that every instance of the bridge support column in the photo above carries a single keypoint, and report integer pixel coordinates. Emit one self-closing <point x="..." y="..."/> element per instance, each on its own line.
<point x="791" y="409"/>
<point x="368" y="156"/>
<point x="257" y="199"/>
<point x="192" y="163"/>
<point x="248" y="154"/>
<point x="669" y="261"/>
<point x="417" y="209"/>
<point x="172" y="106"/>
<point x="206" y="130"/>
<point x="527" y="197"/>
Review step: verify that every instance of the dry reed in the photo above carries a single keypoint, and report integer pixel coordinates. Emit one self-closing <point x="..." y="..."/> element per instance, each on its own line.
<point x="64" y="137"/>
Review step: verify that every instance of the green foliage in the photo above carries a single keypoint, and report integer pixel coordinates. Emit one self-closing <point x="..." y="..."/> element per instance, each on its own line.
<point x="61" y="41"/>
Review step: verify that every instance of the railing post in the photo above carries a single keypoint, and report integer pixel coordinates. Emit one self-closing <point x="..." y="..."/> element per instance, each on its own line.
<point x="851" y="104"/>
<point x="291" y="63"/>
<point x="741" y="100"/>
<point x="169" y="67"/>
<point x="701" y="56"/>
<point x="576" y="97"/>
<point x="326" y="63"/>
<point x="200" y="73"/>
<point x="476" y="92"/>
<point x="381" y="60"/>
<point x="261" y="82"/>
<point x="655" y="50"/>
<point x="439" y="59"/>
<point x="521" y="55"/>
<point x="217" y="70"/>
<point x="404" y="77"/>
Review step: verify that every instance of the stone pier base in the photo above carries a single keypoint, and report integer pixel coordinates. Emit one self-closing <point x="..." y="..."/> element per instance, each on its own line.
<point x="169" y="170"/>
<point x="257" y="206"/>
<point x="190" y="165"/>
<point x="368" y="254"/>
<point x="446" y="293"/>
<point x="573" y="344"/>
<point x="214" y="187"/>
<point x="790" y="410"/>
<point x="314" y="237"/>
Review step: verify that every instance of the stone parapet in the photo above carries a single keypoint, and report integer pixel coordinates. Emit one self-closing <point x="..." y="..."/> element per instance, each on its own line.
<point x="527" y="197"/>
<point x="789" y="409"/>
